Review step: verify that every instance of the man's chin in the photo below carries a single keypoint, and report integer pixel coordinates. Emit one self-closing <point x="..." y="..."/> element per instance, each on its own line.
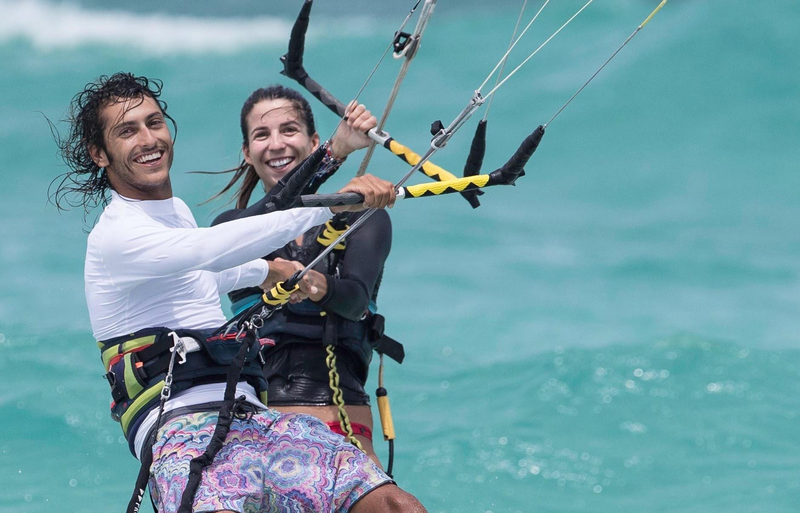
<point x="155" y="179"/>
<point x="157" y="186"/>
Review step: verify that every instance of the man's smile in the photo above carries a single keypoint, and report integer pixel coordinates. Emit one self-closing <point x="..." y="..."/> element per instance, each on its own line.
<point x="150" y="159"/>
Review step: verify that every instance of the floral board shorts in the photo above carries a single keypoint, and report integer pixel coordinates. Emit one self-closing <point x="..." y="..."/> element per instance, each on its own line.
<point x="270" y="463"/>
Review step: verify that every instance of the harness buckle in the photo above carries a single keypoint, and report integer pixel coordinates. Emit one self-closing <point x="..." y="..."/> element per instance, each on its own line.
<point x="229" y="329"/>
<point x="180" y="348"/>
<point x="241" y="332"/>
<point x="191" y="345"/>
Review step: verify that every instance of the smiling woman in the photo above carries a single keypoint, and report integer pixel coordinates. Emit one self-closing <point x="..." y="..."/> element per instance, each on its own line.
<point x="294" y="122"/>
<point x="277" y="140"/>
<point x="332" y="332"/>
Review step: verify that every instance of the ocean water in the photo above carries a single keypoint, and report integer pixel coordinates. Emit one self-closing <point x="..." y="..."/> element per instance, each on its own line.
<point x="619" y="332"/>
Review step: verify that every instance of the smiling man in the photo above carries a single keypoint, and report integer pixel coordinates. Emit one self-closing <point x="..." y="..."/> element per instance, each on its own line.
<point x="141" y="153"/>
<point x="153" y="280"/>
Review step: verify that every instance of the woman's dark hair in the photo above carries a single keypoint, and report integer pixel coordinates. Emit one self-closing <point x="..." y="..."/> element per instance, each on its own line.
<point x="245" y="171"/>
<point x="86" y="184"/>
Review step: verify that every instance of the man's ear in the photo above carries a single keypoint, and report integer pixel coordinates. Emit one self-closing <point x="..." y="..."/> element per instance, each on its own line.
<point x="246" y="152"/>
<point x="99" y="156"/>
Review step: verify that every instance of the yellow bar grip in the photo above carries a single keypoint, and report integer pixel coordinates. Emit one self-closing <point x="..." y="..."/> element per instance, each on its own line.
<point x="455" y="185"/>
<point x="386" y="417"/>
<point x="277" y="295"/>
<point x="429" y="168"/>
<point x="653" y="13"/>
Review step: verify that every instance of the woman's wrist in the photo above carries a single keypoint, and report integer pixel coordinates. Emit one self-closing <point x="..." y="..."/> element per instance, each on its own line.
<point x="335" y="152"/>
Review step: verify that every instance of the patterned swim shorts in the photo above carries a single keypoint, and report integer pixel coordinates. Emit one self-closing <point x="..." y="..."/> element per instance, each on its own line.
<point x="270" y="463"/>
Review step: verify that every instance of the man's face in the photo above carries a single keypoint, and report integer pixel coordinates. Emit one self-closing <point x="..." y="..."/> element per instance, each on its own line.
<point x="138" y="148"/>
<point x="277" y="139"/>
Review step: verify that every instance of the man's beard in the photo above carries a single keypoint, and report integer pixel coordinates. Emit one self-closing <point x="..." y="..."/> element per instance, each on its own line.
<point x="129" y="177"/>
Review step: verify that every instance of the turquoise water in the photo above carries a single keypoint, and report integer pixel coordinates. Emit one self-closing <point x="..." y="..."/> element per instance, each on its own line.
<point x="617" y="333"/>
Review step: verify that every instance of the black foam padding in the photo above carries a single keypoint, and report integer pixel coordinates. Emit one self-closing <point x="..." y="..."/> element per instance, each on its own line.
<point x="514" y="168"/>
<point x="293" y="60"/>
<point x="476" y="151"/>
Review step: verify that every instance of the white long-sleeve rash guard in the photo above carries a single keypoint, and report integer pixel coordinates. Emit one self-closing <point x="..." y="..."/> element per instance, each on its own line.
<point x="148" y="265"/>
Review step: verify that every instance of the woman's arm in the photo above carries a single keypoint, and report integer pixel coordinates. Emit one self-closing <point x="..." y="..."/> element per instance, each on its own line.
<point x="364" y="257"/>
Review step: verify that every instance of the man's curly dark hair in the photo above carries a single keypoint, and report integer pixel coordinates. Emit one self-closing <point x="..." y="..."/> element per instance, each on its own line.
<point x="86" y="184"/>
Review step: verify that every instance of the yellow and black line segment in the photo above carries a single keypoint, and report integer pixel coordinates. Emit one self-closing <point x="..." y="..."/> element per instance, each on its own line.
<point x="411" y="158"/>
<point x="338" y="397"/>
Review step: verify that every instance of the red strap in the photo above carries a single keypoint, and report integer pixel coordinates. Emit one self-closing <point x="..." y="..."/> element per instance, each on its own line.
<point x="119" y="357"/>
<point x="358" y="429"/>
<point x="223" y="336"/>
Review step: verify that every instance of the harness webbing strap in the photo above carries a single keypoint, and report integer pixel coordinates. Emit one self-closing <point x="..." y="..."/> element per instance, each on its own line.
<point x="386" y="345"/>
<point x="142" y="401"/>
<point x="221" y="430"/>
<point x="133" y="386"/>
<point x="141" y="482"/>
<point x="111" y="354"/>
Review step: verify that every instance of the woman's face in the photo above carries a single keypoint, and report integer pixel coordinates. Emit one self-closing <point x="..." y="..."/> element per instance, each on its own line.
<point x="277" y="139"/>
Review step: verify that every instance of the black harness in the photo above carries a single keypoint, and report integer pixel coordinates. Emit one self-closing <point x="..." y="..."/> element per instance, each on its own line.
<point x="305" y="322"/>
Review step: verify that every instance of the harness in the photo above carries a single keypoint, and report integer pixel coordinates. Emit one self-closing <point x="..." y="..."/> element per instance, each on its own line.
<point x="305" y="322"/>
<point x="137" y="368"/>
